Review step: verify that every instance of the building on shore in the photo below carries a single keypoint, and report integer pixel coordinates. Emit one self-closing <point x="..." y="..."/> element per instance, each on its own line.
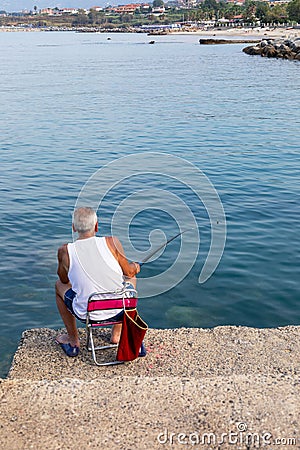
<point x="130" y="8"/>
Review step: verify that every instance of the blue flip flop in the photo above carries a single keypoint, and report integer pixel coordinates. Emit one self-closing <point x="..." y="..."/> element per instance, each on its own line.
<point x="68" y="349"/>
<point x="143" y="351"/>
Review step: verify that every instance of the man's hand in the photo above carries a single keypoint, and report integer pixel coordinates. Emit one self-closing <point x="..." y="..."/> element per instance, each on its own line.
<point x="137" y="267"/>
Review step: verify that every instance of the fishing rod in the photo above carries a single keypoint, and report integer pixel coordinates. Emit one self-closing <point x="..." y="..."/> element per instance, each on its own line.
<point x="162" y="246"/>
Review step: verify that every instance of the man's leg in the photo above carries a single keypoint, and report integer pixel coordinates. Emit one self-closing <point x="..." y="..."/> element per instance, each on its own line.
<point x="116" y="333"/>
<point x="116" y="329"/>
<point x="69" y="320"/>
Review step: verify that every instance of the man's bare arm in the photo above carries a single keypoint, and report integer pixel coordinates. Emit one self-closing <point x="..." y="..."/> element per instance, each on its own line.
<point x="115" y="246"/>
<point x="63" y="264"/>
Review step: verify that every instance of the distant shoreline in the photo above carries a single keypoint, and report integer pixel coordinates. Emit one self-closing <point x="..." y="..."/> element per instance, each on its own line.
<point x="228" y="32"/>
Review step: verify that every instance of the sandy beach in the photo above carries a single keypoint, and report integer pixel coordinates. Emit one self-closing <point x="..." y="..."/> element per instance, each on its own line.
<point x="255" y="33"/>
<point x="208" y="388"/>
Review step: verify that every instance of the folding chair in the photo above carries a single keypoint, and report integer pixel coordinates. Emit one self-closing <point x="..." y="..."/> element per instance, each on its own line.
<point x="114" y="302"/>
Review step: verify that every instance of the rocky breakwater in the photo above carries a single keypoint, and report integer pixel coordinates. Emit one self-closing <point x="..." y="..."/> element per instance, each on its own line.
<point x="276" y="48"/>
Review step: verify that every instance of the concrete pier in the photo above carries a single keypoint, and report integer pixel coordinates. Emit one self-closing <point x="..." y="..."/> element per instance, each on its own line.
<point x="221" y="388"/>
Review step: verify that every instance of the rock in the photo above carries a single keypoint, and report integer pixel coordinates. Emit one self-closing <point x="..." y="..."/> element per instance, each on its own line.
<point x="252" y="50"/>
<point x="296" y="45"/>
<point x="284" y="48"/>
<point x="279" y="48"/>
<point x="227" y="41"/>
<point x="288" y="42"/>
<point x="269" y="51"/>
<point x="292" y="55"/>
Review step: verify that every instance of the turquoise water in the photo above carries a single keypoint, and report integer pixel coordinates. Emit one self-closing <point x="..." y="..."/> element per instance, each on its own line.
<point x="71" y="103"/>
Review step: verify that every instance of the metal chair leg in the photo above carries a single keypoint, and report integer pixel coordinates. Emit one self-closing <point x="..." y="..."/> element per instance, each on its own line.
<point x="93" y="349"/>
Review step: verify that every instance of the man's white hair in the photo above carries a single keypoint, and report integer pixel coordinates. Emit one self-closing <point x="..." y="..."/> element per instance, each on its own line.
<point x="84" y="219"/>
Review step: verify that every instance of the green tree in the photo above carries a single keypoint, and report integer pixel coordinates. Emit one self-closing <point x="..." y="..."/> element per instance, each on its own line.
<point x="231" y="10"/>
<point x="293" y="10"/>
<point x="210" y="4"/>
<point x="81" y="18"/>
<point x="250" y="10"/>
<point x="158" y="3"/>
<point x="277" y="14"/>
<point x="262" y="10"/>
<point x="126" y="18"/>
<point x="92" y="16"/>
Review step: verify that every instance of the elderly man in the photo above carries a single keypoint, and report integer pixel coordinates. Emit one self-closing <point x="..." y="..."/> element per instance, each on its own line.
<point x="90" y="264"/>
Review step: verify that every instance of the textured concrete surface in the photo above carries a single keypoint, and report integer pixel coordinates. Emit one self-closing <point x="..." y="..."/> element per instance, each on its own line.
<point x="221" y="388"/>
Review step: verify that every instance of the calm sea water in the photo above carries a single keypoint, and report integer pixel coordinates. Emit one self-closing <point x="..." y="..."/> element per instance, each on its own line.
<point x="70" y="103"/>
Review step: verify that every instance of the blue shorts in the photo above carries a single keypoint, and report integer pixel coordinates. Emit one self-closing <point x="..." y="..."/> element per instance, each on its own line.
<point x="68" y="299"/>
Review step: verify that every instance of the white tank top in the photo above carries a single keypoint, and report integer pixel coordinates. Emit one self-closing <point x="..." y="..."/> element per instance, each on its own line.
<point x="93" y="268"/>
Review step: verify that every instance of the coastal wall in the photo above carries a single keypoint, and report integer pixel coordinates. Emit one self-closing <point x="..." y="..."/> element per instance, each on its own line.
<point x="234" y="385"/>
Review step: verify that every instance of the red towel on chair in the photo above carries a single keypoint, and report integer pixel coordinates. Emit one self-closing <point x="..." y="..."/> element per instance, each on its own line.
<point x="132" y="335"/>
